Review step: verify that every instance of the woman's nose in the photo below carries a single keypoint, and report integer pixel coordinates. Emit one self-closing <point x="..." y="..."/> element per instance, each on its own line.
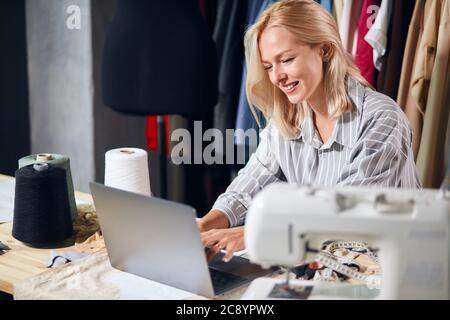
<point x="279" y="76"/>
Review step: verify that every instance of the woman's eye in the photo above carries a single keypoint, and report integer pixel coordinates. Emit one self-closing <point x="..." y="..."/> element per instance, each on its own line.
<point x="287" y="60"/>
<point x="267" y="67"/>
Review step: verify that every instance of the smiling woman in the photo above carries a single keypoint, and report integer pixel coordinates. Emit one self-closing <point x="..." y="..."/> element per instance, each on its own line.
<point x="298" y="43"/>
<point x="326" y="125"/>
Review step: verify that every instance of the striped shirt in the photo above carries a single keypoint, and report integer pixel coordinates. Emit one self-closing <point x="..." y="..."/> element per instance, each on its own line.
<point x="370" y="145"/>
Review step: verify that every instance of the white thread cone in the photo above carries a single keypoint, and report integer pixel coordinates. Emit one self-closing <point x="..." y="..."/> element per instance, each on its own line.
<point x="127" y="169"/>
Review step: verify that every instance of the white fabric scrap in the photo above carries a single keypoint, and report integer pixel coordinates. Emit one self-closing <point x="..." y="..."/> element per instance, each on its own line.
<point x="377" y="34"/>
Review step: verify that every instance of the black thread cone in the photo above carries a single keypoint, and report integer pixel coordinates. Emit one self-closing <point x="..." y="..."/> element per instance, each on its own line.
<point x="42" y="216"/>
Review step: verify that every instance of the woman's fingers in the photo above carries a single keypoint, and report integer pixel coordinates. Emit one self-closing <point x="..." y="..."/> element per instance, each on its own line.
<point x="211" y="252"/>
<point x="230" y="250"/>
<point x="231" y="239"/>
<point x="210" y="238"/>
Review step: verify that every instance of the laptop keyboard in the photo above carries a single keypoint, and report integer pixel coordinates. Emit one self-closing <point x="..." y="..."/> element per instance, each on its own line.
<point x="223" y="281"/>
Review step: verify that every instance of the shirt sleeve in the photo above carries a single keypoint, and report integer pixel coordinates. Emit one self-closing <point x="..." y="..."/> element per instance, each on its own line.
<point x="261" y="170"/>
<point x="382" y="155"/>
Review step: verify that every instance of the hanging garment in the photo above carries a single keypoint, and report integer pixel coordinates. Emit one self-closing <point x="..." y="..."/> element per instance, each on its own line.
<point x="426" y="54"/>
<point x="228" y="36"/>
<point x="431" y="157"/>
<point x="364" y="52"/>
<point x="151" y="132"/>
<point x="377" y="34"/>
<point x="412" y="41"/>
<point x="338" y="7"/>
<point x="391" y="64"/>
<point x="348" y="27"/>
<point x="416" y="98"/>
<point x="245" y="119"/>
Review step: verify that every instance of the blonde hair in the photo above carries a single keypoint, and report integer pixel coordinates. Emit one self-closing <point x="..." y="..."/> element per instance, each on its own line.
<point x="313" y="25"/>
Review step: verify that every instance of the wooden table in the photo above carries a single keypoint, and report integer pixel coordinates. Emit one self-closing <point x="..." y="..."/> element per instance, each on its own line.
<point x="22" y="261"/>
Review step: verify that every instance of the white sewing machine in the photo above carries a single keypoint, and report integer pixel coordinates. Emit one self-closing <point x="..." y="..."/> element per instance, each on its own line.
<point x="409" y="227"/>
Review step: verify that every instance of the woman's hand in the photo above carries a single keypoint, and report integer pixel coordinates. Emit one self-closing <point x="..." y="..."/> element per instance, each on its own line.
<point x="215" y="219"/>
<point x="231" y="240"/>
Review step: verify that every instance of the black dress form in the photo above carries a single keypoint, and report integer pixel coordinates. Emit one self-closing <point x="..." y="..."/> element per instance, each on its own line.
<point x="159" y="58"/>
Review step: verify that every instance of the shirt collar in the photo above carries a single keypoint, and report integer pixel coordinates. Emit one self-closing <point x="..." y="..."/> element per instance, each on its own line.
<point x="345" y="124"/>
<point x="306" y="129"/>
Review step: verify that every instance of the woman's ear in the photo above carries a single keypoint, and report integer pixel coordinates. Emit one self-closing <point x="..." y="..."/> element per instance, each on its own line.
<point x="326" y="51"/>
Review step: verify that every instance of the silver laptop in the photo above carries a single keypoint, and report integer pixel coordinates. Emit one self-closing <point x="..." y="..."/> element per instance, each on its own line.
<point x="159" y="240"/>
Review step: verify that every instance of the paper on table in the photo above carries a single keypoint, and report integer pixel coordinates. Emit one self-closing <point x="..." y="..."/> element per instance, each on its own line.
<point x="7" y="200"/>
<point x="133" y="287"/>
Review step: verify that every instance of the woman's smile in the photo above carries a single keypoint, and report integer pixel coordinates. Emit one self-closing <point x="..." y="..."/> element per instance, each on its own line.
<point x="290" y="87"/>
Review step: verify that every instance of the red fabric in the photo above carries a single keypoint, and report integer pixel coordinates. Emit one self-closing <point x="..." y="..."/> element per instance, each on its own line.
<point x="364" y="52"/>
<point x="152" y="133"/>
<point x="166" y="126"/>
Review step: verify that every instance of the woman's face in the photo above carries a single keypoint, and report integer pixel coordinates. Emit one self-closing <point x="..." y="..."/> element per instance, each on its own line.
<point x="294" y="67"/>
